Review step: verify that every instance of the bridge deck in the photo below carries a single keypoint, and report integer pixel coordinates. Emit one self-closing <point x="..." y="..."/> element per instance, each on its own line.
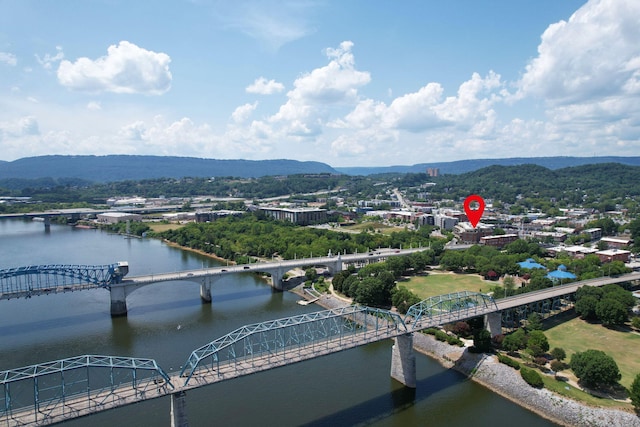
<point x="374" y="325"/>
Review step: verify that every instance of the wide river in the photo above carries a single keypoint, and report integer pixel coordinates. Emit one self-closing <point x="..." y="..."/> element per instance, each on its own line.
<point x="167" y="321"/>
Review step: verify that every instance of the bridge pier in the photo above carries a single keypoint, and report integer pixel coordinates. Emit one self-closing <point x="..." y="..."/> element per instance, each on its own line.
<point x="403" y="360"/>
<point x="179" y="410"/>
<point x="205" y="291"/>
<point x="118" y="301"/>
<point x="336" y="267"/>
<point x="276" y="278"/>
<point x="493" y="323"/>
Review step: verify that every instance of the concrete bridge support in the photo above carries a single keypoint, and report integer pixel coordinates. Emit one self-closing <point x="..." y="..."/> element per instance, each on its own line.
<point x="205" y="291"/>
<point x="336" y="267"/>
<point x="493" y="323"/>
<point x="179" y="410"/>
<point x="276" y="278"/>
<point x="118" y="301"/>
<point x="403" y="361"/>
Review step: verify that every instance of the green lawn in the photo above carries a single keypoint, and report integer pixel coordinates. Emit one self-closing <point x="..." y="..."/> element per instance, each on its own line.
<point x="159" y="227"/>
<point x="367" y="225"/>
<point x="445" y="283"/>
<point x="566" y="331"/>
<point x="576" y="335"/>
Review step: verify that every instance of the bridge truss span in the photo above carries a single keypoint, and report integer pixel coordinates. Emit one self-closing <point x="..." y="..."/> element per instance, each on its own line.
<point x="43" y="279"/>
<point x="51" y="392"/>
<point x="262" y="346"/>
<point x="448" y="308"/>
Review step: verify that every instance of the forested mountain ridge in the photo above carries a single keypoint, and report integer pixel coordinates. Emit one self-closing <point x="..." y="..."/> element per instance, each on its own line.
<point x="464" y="166"/>
<point x="508" y="183"/>
<point x="123" y="167"/>
<point x="112" y="168"/>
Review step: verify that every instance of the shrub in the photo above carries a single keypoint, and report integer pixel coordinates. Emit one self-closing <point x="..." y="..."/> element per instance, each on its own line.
<point x="508" y="361"/>
<point x="453" y="340"/>
<point x="557" y="365"/>
<point x="537" y="343"/>
<point x="497" y="340"/>
<point x="462" y="329"/>
<point x="634" y="392"/>
<point x="540" y="361"/>
<point x="532" y="377"/>
<point x="482" y="341"/>
<point x="515" y="341"/>
<point x="558" y="353"/>
<point x="441" y="335"/>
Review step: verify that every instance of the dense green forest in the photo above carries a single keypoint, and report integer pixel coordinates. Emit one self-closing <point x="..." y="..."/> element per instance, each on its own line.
<point x="600" y="186"/>
<point x="509" y="182"/>
<point x="238" y="238"/>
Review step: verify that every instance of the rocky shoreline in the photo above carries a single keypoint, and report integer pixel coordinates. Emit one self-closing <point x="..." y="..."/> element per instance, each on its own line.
<point x="507" y="382"/>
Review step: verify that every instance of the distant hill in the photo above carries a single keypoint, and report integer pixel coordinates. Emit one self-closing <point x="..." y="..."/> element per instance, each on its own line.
<point x="121" y="167"/>
<point x="463" y="166"/>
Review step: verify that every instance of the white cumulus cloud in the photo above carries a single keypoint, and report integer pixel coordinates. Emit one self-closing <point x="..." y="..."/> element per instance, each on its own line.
<point x="22" y="126"/>
<point x="126" y="68"/>
<point x="594" y="54"/>
<point x="334" y="85"/>
<point x="262" y="86"/>
<point x="243" y="112"/>
<point x="8" y="58"/>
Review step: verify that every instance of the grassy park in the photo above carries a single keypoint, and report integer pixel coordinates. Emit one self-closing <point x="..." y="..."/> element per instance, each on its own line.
<point x="567" y="331"/>
<point x="445" y="283"/>
<point x="576" y="335"/>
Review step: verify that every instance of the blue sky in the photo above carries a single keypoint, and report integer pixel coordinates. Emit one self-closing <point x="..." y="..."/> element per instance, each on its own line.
<point x="348" y="83"/>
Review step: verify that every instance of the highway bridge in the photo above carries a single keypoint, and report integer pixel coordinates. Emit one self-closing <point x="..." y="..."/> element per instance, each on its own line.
<point x="56" y="391"/>
<point x="25" y="282"/>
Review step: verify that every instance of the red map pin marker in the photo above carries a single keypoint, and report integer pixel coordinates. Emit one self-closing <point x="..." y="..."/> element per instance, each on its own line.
<point x="474" y="215"/>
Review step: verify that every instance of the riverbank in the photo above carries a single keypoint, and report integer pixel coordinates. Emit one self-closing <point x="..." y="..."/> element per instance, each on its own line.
<point x="197" y="251"/>
<point x="507" y="382"/>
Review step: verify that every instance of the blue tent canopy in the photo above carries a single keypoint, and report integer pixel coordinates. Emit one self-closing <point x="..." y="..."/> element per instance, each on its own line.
<point x="530" y="264"/>
<point x="561" y="273"/>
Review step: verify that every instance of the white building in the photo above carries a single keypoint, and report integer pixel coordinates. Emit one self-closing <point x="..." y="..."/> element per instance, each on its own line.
<point x="116" y="217"/>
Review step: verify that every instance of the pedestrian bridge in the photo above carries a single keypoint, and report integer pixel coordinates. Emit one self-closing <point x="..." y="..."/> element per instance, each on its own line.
<point x="56" y="391"/>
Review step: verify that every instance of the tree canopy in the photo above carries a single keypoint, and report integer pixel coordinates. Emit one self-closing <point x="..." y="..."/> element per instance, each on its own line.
<point x="595" y="368"/>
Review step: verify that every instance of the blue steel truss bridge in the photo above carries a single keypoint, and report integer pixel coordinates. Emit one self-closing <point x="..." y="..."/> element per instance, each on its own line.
<point x="56" y="391"/>
<point x="24" y="282"/>
<point x="63" y="389"/>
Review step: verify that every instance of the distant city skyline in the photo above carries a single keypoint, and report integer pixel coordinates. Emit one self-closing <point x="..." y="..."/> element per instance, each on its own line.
<point x="345" y="83"/>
